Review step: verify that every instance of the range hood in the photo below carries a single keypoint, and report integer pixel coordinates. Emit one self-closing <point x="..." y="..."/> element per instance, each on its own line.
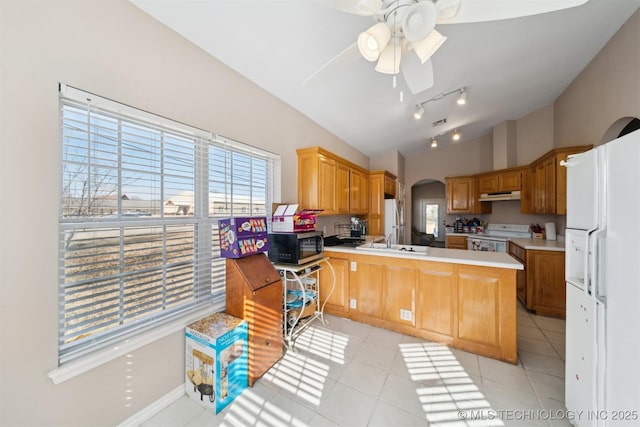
<point x="503" y="195"/>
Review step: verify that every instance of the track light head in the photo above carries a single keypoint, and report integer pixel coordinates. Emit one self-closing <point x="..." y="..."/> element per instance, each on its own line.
<point x="434" y="143"/>
<point x="456" y="135"/>
<point x="462" y="98"/>
<point x="419" y="112"/>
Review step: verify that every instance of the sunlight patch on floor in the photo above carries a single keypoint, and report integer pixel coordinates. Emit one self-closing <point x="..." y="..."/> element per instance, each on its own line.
<point x="327" y="344"/>
<point x="446" y="392"/>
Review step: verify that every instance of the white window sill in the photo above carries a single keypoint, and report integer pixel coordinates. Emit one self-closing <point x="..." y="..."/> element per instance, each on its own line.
<point x="99" y="357"/>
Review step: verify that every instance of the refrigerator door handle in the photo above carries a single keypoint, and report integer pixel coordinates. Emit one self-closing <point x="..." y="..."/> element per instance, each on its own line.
<point x="595" y="256"/>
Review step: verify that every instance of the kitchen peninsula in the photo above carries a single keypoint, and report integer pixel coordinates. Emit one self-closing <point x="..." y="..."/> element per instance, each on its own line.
<point x="465" y="299"/>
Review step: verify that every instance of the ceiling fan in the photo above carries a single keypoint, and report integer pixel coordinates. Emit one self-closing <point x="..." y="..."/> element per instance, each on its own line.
<point x="404" y="37"/>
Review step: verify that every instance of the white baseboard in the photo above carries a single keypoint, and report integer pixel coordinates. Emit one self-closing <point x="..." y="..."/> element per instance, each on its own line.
<point x="155" y="407"/>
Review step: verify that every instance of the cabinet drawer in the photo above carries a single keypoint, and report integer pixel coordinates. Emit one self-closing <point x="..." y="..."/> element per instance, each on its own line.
<point x="517" y="252"/>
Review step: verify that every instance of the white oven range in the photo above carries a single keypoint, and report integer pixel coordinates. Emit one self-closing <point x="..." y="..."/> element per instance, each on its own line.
<point x="496" y="236"/>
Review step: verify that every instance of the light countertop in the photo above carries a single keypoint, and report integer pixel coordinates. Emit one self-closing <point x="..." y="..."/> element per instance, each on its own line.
<point x="540" y="244"/>
<point x="454" y="256"/>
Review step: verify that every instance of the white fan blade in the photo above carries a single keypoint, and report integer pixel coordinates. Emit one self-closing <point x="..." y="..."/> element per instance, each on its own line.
<point x="355" y="7"/>
<point x="464" y="11"/>
<point x="335" y="66"/>
<point x="417" y="76"/>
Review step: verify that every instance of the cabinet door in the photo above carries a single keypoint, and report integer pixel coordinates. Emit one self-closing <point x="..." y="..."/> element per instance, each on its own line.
<point x="365" y="286"/>
<point x="327" y="172"/>
<point x="358" y="192"/>
<point x="550" y="186"/>
<point x="489" y="183"/>
<point x="342" y="189"/>
<point x="546" y="275"/>
<point x="561" y="185"/>
<point x="460" y="194"/>
<point x="399" y="294"/>
<point x="519" y="253"/>
<point x="510" y="181"/>
<point x="376" y="204"/>
<point x="436" y="297"/>
<point x="336" y="297"/>
<point x="526" y="198"/>
<point x="390" y="186"/>
<point x="487" y="311"/>
<point x="539" y="195"/>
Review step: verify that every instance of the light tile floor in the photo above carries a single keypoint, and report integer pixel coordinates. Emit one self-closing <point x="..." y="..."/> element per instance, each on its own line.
<point x="350" y="374"/>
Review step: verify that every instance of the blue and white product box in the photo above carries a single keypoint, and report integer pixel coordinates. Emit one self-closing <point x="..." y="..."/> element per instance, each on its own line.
<point x="216" y="360"/>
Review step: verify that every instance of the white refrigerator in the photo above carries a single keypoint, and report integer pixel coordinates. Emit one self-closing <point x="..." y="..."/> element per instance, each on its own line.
<point x="394" y="220"/>
<point x="602" y="371"/>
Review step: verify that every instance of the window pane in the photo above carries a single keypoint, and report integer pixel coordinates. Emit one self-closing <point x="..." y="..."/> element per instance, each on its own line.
<point x="138" y="239"/>
<point x="431" y="215"/>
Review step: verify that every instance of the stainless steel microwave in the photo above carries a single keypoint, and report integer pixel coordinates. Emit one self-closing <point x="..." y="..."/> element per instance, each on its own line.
<point x="295" y="248"/>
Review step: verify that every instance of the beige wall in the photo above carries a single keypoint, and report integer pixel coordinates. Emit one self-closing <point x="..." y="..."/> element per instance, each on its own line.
<point x="534" y="135"/>
<point x="608" y="89"/>
<point x="113" y="49"/>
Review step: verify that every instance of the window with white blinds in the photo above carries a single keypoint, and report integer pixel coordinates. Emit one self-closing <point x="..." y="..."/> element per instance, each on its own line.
<point x="141" y="196"/>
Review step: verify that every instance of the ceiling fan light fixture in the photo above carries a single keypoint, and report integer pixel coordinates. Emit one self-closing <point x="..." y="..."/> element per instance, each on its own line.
<point x="419" y="20"/>
<point x="426" y="47"/>
<point x="389" y="61"/>
<point x="456" y="135"/>
<point x="462" y="98"/>
<point x="372" y="42"/>
<point x="419" y="112"/>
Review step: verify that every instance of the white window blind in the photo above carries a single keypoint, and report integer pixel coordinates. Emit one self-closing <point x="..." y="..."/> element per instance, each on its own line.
<point x="140" y="200"/>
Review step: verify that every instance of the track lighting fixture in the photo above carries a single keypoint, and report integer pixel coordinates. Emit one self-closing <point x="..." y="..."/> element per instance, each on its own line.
<point x="462" y="99"/>
<point x="456" y="135"/>
<point x="434" y="143"/>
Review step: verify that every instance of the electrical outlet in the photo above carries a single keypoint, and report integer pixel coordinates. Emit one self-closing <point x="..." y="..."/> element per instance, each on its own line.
<point x="405" y="315"/>
<point x="352" y="303"/>
<point x="354" y="266"/>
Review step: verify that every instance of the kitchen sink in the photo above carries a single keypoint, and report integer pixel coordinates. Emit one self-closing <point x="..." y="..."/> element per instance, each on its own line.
<point x="382" y="247"/>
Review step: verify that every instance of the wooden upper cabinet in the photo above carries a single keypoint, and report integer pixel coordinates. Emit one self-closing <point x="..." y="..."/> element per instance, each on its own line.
<point x="462" y="196"/>
<point x="545" y="183"/>
<point x="358" y="192"/>
<point x="331" y="183"/>
<point x="390" y="186"/>
<point x="379" y="184"/>
<point x="342" y="189"/>
<point x="499" y="181"/>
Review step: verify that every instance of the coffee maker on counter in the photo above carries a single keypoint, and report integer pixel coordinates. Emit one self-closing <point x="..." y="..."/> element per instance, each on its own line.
<point x="358" y="227"/>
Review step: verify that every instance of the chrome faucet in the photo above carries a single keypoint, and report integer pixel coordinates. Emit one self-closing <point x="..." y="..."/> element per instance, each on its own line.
<point x="388" y="240"/>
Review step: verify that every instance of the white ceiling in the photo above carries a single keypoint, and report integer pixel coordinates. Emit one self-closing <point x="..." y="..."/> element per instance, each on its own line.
<point x="509" y="67"/>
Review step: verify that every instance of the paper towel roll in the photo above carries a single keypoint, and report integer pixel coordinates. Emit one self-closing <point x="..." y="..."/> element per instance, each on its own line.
<point x="550" y="229"/>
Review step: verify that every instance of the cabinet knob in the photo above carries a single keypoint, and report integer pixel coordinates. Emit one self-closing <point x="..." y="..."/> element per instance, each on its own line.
<point x="268" y="343"/>
<point x="266" y="280"/>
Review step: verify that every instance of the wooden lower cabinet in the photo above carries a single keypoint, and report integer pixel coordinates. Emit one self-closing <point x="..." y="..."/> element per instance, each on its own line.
<point x="399" y="294"/>
<point x="540" y="286"/>
<point x="546" y="292"/>
<point x="456" y="242"/>
<point x="366" y="287"/>
<point x="468" y="307"/>
<point x="486" y="298"/>
<point x="335" y="297"/>
<point x="436" y="308"/>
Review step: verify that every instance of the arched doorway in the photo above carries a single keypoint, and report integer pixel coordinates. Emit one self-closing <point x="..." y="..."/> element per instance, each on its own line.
<point x="428" y="202"/>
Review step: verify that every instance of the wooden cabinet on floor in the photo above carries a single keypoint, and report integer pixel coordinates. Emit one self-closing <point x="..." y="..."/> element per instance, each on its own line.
<point x="366" y="287"/>
<point x="254" y="293"/>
